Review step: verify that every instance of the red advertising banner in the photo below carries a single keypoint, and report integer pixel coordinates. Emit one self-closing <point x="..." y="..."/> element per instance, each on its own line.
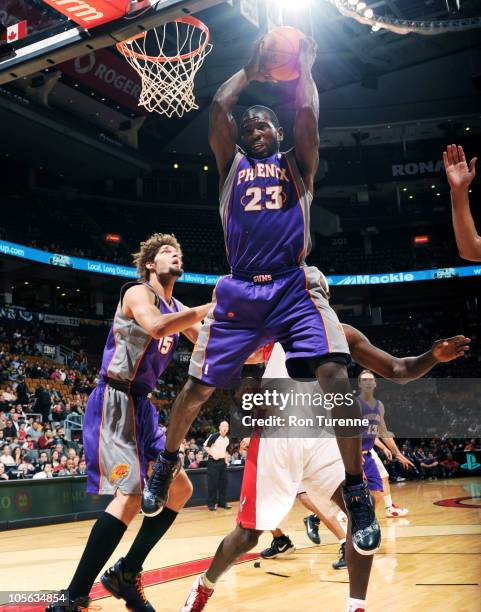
<point x="91" y="13"/>
<point x="109" y="75"/>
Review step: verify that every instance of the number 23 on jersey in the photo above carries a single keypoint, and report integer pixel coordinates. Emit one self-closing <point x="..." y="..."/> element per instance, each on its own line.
<point x="257" y="198"/>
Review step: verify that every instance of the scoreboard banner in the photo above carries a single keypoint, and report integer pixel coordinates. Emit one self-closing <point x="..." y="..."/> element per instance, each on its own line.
<point x="111" y="269"/>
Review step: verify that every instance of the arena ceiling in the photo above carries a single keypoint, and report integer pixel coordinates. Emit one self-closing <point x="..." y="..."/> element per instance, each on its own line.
<point x="365" y="78"/>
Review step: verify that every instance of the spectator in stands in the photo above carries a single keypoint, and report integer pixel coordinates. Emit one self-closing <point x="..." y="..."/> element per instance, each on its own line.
<point x="8" y="395"/>
<point x="17" y="455"/>
<point x="43" y="401"/>
<point x="3" y="472"/>
<point x="10" y="430"/>
<point x="25" y="467"/>
<point x="82" y="467"/>
<point x="58" y="413"/>
<point x="471" y="446"/>
<point x="449" y="467"/>
<point x="2" y="438"/>
<point x="47" y="472"/>
<point x="28" y="443"/>
<point x="62" y="466"/>
<point x="35" y="430"/>
<point x="45" y="440"/>
<point x="42" y="460"/>
<point x="22" y="433"/>
<point x="68" y="469"/>
<point x="22" y="391"/>
<point x="55" y="459"/>
<point x="236" y="458"/>
<point x="198" y="457"/>
<point x="189" y="459"/>
<point x="429" y="467"/>
<point x="6" y="456"/>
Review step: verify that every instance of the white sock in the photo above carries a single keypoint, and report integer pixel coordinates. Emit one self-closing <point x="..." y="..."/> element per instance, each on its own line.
<point x="342" y="540"/>
<point x="356" y="605"/>
<point x="206" y="582"/>
<point x="387" y="501"/>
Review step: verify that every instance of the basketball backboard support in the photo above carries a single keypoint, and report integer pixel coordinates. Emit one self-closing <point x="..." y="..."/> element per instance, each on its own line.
<point x="54" y="38"/>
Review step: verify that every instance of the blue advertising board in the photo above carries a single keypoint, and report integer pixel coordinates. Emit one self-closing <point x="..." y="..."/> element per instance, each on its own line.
<point x="112" y="269"/>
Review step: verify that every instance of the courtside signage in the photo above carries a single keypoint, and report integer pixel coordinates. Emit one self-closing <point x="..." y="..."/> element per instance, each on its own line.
<point x="111" y="269"/>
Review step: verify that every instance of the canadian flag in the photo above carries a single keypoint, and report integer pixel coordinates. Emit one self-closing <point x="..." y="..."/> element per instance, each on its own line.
<point x="14" y="32"/>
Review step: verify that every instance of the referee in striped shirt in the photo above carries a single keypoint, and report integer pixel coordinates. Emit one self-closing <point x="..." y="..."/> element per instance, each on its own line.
<point x="216" y="447"/>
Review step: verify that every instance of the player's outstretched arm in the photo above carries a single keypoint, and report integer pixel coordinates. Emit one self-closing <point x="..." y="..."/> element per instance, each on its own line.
<point x="222" y="125"/>
<point x="306" y="129"/>
<point x="139" y="304"/>
<point x="460" y="176"/>
<point x="402" y="369"/>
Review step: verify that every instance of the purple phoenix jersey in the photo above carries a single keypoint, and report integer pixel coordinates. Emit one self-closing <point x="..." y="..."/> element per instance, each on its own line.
<point x="265" y="214"/>
<point x="131" y="355"/>
<point x="121" y="432"/>
<point x="373" y="414"/>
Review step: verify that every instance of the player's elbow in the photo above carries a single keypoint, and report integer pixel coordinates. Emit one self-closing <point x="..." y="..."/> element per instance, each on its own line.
<point x="399" y="374"/>
<point x="471" y="253"/>
<point x="218" y="107"/>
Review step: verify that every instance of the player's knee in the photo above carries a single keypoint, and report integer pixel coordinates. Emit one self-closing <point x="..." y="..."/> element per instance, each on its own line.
<point x="248" y="539"/>
<point x="195" y="393"/>
<point x="333" y="376"/>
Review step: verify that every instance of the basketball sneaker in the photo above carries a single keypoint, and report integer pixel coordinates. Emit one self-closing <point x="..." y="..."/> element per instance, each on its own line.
<point x="198" y="596"/>
<point x="66" y="604"/>
<point x="156" y="489"/>
<point x="395" y="511"/>
<point x="341" y="563"/>
<point x="365" y="529"/>
<point x="312" y="528"/>
<point x="127" y="586"/>
<point x="280" y="547"/>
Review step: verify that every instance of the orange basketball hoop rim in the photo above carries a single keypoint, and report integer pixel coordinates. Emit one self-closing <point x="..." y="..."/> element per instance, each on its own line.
<point x="124" y="46"/>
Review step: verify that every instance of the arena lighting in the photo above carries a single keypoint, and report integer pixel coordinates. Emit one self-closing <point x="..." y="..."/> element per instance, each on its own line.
<point x="290" y="5"/>
<point x="206" y="168"/>
<point x="421" y="239"/>
<point x="114" y="238"/>
<point x="175" y="166"/>
<point x="405" y="26"/>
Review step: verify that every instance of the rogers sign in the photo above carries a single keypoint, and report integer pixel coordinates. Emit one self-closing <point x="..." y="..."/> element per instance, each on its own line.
<point x="104" y="72"/>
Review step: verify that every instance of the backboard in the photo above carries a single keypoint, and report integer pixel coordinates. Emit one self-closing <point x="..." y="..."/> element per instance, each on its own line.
<point x="59" y="30"/>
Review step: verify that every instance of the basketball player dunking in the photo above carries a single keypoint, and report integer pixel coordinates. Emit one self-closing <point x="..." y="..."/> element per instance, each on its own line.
<point x="121" y="433"/>
<point x="271" y="294"/>
<point x="277" y="468"/>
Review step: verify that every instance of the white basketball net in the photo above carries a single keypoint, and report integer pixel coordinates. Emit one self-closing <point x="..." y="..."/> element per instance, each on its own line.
<point x="168" y="80"/>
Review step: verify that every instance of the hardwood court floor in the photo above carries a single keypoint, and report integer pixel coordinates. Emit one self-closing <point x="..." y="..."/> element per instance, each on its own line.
<point x="429" y="561"/>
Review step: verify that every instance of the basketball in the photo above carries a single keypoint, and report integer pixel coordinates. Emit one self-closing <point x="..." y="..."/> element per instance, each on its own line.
<point x="280" y="53"/>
